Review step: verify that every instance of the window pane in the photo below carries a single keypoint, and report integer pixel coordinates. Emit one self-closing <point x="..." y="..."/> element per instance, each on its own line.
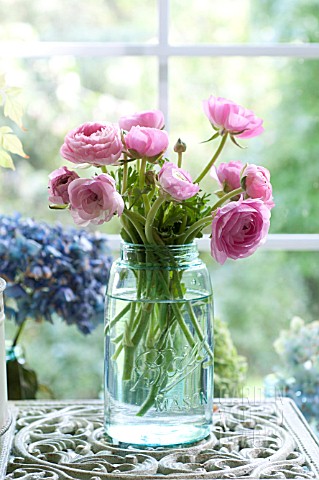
<point x="258" y="296"/>
<point x="244" y="21"/>
<point x="281" y="91"/>
<point x="61" y="93"/>
<point x="79" y="20"/>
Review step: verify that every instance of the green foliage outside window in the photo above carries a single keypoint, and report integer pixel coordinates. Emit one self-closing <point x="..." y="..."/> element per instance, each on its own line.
<point x="61" y="92"/>
<point x="12" y="109"/>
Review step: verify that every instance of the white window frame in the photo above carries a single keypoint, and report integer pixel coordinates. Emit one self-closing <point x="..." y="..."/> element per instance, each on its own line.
<point x="163" y="50"/>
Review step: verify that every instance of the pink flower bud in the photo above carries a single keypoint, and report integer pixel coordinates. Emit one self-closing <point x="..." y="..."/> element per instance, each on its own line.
<point x="147" y="118"/>
<point x="59" y="180"/>
<point x="94" y="143"/>
<point x="238" y="229"/>
<point x="256" y="182"/>
<point x="226" y="115"/>
<point x="227" y="175"/>
<point x="177" y="182"/>
<point x="146" y="142"/>
<point x="94" y="200"/>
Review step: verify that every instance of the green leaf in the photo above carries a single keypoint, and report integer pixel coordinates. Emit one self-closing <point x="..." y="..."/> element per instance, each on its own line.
<point x="6" y="160"/>
<point x="230" y="368"/>
<point x="13" y="109"/>
<point x="125" y="236"/>
<point x="219" y="193"/>
<point x="211" y="138"/>
<point x="58" y="207"/>
<point x="11" y="143"/>
<point x="236" y="143"/>
<point x="4" y="130"/>
<point x="22" y="381"/>
<point x="13" y="91"/>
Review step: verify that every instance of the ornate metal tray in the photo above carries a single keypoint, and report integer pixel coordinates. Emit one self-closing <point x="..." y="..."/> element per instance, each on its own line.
<point x="64" y="441"/>
<point x="6" y="437"/>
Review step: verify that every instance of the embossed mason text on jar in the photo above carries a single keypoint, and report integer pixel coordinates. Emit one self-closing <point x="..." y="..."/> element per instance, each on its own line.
<point x="158" y="347"/>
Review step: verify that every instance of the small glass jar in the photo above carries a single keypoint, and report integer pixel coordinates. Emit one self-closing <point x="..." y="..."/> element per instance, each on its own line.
<point x="158" y="347"/>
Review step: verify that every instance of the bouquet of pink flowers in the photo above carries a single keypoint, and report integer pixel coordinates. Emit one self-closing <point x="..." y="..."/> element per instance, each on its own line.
<point x="159" y="205"/>
<point x="156" y="199"/>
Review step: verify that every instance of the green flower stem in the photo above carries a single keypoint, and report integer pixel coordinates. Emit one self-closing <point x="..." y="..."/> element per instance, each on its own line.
<point x="149" y="402"/>
<point x="129" y="346"/>
<point x="162" y="315"/>
<point x="145" y="316"/>
<point x="159" y="383"/>
<point x="136" y="320"/>
<point x="195" y="234"/>
<point x="117" y="351"/>
<point x="126" y="215"/>
<point x="103" y="168"/>
<point x="129" y="362"/>
<point x="137" y="216"/>
<point x="138" y="222"/>
<point x="152" y="329"/>
<point x="118" y="338"/>
<point x="142" y="170"/>
<point x="151" y="217"/>
<point x="177" y="313"/>
<point x="146" y="313"/>
<point x="150" y="195"/>
<point x="203" y="222"/>
<point x="194" y="321"/>
<point x="142" y="173"/>
<point x="180" y="159"/>
<point x="213" y="160"/>
<point x="147" y="205"/>
<point x="19" y="331"/>
<point x="130" y="234"/>
<point x="125" y="174"/>
<point x="157" y="238"/>
<point x="161" y="380"/>
<point x="182" y="227"/>
<point x="134" y="330"/>
<point x="117" y="318"/>
<point x="129" y="350"/>
<point x="226" y="197"/>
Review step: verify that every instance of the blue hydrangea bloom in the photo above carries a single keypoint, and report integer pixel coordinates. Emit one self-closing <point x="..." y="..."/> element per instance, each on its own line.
<point x="53" y="270"/>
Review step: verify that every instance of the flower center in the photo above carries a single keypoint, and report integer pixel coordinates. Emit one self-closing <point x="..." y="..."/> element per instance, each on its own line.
<point x="179" y="176"/>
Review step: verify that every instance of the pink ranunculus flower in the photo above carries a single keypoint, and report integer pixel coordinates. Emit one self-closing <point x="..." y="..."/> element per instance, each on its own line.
<point x="146" y="141"/>
<point x="177" y="182"/>
<point x="228" y="116"/>
<point x="238" y="229"/>
<point x="94" y="143"/>
<point x="94" y="200"/>
<point x="256" y="182"/>
<point x="228" y="175"/>
<point x="59" y="181"/>
<point x="146" y="118"/>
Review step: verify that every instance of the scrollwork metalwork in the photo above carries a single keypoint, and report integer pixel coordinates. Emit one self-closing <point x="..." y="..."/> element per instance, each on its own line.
<point x="56" y="440"/>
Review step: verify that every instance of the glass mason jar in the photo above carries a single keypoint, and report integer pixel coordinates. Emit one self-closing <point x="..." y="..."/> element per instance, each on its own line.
<point x="158" y="347"/>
